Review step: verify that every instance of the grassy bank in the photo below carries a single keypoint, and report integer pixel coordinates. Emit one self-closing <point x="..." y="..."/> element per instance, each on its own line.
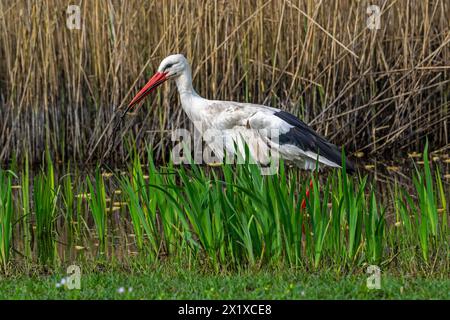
<point x="174" y="283"/>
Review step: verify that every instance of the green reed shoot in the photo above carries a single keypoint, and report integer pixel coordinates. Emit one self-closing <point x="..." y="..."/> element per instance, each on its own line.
<point x="6" y="211"/>
<point x="233" y="216"/>
<point x="45" y="195"/>
<point x="97" y="204"/>
<point x="26" y="217"/>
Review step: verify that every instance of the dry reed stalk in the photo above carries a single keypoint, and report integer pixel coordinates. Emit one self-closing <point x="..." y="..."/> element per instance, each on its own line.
<point x="381" y="91"/>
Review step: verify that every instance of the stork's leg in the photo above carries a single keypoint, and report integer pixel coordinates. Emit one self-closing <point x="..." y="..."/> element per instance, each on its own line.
<point x="307" y="194"/>
<point x="303" y="206"/>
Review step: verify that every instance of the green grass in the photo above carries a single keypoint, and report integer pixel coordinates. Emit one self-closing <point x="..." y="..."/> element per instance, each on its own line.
<point x="174" y="283"/>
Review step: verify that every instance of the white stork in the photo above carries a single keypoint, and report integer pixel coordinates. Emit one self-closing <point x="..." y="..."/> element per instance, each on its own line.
<point x="296" y="142"/>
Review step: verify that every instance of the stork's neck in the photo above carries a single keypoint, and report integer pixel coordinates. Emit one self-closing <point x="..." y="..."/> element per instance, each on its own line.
<point x="191" y="102"/>
<point x="184" y="83"/>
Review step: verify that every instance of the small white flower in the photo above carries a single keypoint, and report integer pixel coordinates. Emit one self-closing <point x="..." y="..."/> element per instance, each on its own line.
<point x="121" y="290"/>
<point x="130" y="289"/>
<point x="58" y="285"/>
<point x="63" y="281"/>
<point x="302" y="293"/>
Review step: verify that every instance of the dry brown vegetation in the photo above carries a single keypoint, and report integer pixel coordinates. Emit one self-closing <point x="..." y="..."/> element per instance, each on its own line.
<point x="377" y="91"/>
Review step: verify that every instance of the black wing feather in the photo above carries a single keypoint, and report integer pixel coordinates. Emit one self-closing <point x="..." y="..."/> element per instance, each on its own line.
<point x="306" y="138"/>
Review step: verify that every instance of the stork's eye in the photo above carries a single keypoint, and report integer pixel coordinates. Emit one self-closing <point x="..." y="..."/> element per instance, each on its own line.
<point x="168" y="66"/>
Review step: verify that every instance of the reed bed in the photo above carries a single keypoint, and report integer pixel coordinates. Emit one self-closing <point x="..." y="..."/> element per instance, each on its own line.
<point x="380" y="92"/>
<point x="225" y="218"/>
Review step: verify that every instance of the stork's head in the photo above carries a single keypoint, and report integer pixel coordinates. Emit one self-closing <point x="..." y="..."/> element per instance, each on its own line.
<point x="173" y="65"/>
<point x="170" y="68"/>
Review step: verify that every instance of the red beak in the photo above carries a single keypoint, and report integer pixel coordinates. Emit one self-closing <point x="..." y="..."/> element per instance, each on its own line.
<point x="157" y="79"/>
